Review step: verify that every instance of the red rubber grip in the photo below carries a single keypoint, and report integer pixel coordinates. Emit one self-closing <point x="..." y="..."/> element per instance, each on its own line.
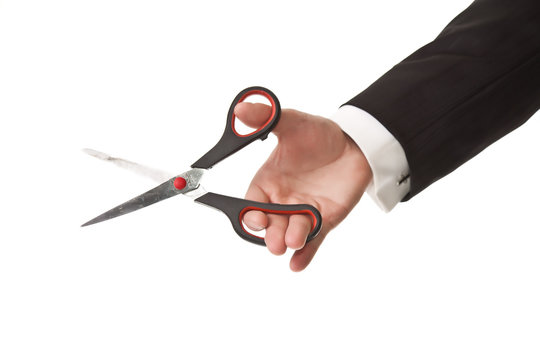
<point x="314" y="221"/>
<point x="246" y="95"/>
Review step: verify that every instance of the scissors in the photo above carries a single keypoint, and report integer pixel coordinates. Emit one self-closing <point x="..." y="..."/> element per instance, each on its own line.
<point x="188" y="183"/>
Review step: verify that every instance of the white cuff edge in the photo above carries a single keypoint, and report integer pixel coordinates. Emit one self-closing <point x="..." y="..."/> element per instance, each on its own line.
<point x="383" y="152"/>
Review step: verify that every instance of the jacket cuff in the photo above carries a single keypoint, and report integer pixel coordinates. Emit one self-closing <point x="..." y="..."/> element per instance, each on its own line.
<point x="383" y="152"/>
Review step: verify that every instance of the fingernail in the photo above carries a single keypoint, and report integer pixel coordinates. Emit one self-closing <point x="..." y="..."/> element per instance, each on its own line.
<point x="254" y="227"/>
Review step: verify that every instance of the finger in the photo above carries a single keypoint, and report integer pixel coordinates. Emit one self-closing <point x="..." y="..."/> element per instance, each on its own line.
<point x="301" y="258"/>
<point x="298" y="231"/>
<point x="275" y="234"/>
<point x="256" y="220"/>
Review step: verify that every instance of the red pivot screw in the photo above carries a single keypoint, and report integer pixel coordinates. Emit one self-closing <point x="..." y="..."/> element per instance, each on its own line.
<point x="180" y="183"/>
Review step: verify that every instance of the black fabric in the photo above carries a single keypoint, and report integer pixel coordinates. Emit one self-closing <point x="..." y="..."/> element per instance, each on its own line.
<point x="477" y="81"/>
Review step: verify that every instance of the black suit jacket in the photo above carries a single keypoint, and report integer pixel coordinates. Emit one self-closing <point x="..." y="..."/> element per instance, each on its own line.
<point x="477" y="81"/>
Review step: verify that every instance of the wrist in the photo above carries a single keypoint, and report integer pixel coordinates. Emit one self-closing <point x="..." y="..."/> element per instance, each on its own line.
<point x="361" y="159"/>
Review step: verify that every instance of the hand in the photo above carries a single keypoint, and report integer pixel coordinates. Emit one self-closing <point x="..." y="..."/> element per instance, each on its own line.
<point x="314" y="163"/>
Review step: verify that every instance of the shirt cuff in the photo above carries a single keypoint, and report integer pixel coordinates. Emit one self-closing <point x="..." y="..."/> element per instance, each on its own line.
<point x="383" y="152"/>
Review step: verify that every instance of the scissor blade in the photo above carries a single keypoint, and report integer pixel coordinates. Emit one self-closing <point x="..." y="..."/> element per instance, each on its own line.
<point x="139" y="169"/>
<point x="160" y="192"/>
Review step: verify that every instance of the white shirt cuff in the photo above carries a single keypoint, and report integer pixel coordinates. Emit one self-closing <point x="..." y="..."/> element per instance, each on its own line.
<point x="384" y="153"/>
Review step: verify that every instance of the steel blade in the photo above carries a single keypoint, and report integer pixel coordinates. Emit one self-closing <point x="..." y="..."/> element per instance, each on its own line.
<point x="157" y="175"/>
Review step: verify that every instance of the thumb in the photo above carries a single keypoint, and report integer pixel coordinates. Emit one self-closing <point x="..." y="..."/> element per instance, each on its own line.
<point x="256" y="115"/>
<point x="253" y="115"/>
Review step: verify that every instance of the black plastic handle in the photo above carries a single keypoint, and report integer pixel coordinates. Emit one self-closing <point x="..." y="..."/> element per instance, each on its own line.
<point x="235" y="209"/>
<point x="231" y="141"/>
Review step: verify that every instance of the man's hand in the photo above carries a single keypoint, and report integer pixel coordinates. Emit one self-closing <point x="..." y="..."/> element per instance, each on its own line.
<point x="314" y="163"/>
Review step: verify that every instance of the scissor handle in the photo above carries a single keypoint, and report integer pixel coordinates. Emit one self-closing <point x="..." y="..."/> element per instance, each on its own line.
<point x="235" y="209"/>
<point x="231" y="141"/>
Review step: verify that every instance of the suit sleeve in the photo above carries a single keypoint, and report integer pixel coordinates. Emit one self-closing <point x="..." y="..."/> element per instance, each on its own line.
<point x="449" y="100"/>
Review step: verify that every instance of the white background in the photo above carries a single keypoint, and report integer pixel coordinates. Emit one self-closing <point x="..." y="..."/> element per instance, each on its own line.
<point x="454" y="273"/>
